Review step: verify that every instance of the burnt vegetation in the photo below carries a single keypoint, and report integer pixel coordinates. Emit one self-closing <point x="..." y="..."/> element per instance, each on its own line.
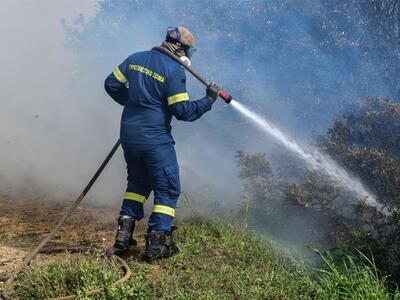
<point x="289" y="198"/>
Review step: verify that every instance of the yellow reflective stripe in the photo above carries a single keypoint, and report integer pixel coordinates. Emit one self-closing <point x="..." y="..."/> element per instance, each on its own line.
<point x="135" y="197"/>
<point x="177" y="98"/>
<point x="166" y="210"/>
<point x="120" y="77"/>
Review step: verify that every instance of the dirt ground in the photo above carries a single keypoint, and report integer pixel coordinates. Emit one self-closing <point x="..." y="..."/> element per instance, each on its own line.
<point x="24" y="224"/>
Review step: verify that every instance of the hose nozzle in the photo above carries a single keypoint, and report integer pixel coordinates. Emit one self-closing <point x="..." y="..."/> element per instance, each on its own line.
<point x="225" y="96"/>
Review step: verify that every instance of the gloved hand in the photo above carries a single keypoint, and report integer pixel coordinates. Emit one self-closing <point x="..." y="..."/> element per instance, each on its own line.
<point x="212" y="91"/>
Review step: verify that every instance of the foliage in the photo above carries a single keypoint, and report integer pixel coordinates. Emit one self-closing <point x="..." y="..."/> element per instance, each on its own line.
<point x="350" y="277"/>
<point x="260" y="183"/>
<point x="366" y="142"/>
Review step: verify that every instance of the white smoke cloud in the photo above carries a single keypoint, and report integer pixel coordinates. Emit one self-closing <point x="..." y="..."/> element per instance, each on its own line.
<point x="53" y="131"/>
<point x="56" y="121"/>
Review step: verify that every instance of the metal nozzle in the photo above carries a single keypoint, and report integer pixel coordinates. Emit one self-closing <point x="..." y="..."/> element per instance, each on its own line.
<point x="225" y="96"/>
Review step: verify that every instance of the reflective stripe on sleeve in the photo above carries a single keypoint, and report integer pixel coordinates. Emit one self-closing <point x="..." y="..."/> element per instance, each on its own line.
<point x="166" y="210"/>
<point x="135" y="197"/>
<point x="177" y="98"/>
<point x="120" y="77"/>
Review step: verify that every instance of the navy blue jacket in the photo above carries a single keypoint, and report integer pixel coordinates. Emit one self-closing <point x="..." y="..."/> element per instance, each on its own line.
<point x="152" y="87"/>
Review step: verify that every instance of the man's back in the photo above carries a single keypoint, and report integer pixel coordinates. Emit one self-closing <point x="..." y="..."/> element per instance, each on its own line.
<point x="146" y="117"/>
<point x="157" y="91"/>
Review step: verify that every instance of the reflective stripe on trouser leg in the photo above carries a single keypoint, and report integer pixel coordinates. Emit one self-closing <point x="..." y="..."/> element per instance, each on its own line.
<point x="166" y="210"/>
<point x="166" y="186"/>
<point x="138" y="189"/>
<point x="133" y="205"/>
<point x="135" y="197"/>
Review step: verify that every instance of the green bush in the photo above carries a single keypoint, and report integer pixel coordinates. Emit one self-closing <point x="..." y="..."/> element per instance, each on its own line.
<point x="366" y="142"/>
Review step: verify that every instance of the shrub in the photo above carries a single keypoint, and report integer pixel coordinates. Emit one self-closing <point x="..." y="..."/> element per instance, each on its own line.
<point x="366" y="141"/>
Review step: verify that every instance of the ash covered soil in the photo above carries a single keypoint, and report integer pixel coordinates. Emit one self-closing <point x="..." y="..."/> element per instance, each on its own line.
<point x="23" y="224"/>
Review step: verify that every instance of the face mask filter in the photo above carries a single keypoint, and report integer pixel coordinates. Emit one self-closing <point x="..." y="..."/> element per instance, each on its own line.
<point x="185" y="60"/>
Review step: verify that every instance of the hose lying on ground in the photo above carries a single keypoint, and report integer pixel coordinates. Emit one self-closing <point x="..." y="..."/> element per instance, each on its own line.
<point x="123" y="264"/>
<point x="126" y="276"/>
<point x="31" y="256"/>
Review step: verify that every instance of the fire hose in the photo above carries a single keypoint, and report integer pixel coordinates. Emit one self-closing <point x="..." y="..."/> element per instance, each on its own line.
<point x="224" y="95"/>
<point x="30" y="257"/>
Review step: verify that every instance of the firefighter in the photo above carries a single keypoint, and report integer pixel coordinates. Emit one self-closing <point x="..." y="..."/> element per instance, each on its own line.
<point x="152" y="88"/>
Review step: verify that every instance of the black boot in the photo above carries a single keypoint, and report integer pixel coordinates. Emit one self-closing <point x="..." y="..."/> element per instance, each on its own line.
<point x="124" y="239"/>
<point x="159" y="244"/>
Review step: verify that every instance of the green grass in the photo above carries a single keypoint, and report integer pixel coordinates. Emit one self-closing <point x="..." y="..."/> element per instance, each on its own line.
<point x="217" y="260"/>
<point x="75" y="275"/>
<point x="223" y="261"/>
<point x="352" y="276"/>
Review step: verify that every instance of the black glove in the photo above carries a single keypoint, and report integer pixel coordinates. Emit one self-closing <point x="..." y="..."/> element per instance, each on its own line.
<point x="212" y="91"/>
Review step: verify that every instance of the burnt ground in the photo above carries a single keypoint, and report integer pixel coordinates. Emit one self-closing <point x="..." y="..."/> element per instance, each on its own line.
<point x="23" y="224"/>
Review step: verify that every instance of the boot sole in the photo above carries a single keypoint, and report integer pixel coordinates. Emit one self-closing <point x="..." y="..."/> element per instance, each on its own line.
<point x="123" y="251"/>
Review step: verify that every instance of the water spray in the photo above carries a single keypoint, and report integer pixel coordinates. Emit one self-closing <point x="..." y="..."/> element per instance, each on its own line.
<point x="314" y="159"/>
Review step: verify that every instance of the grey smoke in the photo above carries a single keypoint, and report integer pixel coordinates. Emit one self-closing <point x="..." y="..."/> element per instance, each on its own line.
<point x="57" y="123"/>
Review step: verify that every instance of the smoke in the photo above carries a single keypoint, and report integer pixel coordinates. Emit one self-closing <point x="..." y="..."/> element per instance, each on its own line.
<point x="50" y="142"/>
<point x="298" y="63"/>
<point x="314" y="159"/>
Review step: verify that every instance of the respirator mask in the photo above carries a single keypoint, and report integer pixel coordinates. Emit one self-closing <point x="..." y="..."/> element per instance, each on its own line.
<point x="185" y="60"/>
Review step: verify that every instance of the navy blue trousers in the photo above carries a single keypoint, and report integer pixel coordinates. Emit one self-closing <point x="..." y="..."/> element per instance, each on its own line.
<point x="152" y="168"/>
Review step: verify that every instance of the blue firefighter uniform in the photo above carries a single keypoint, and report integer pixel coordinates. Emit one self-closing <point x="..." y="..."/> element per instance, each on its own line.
<point x="152" y="88"/>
